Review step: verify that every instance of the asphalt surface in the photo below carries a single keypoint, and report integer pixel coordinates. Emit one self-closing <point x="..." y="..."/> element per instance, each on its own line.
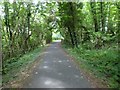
<point x="56" y="70"/>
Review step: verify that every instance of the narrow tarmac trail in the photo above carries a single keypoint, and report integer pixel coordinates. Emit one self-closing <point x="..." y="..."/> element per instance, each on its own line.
<point x="56" y="70"/>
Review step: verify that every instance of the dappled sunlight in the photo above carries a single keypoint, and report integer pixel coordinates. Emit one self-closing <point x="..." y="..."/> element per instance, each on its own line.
<point x="45" y="67"/>
<point x="55" y="47"/>
<point x="36" y="72"/>
<point x="69" y="66"/>
<point x="46" y="52"/>
<point x="60" y="61"/>
<point x="76" y="76"/>
<point x="68" y="60"/>
<point x="60" y="74"/>
<point x="52" y="82"/>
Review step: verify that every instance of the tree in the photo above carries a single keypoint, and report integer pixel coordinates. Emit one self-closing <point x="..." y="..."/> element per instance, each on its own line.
<point x="68" y="13"/>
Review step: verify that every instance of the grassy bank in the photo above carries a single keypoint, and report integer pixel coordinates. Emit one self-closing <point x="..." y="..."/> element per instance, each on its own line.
<point x="13" y="66"/>
<point x="104" y="63"/>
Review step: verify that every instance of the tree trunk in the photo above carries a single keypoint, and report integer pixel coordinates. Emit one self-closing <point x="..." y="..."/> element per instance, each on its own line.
<point x="71" y="37"/>
<point x="93" y="10"/>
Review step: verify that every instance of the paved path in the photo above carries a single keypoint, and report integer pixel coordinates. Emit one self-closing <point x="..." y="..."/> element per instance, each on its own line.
<point x="56" y="70"/>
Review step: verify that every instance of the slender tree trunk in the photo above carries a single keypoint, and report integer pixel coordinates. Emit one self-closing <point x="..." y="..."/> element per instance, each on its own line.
<point x="71" y="37"/>
<point x="93" y="10"/>
<point x="102" y="16"/>
<point x="73" y="23"/>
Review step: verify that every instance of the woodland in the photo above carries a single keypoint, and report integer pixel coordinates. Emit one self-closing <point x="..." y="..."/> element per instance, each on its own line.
<point x="89" y="30"/>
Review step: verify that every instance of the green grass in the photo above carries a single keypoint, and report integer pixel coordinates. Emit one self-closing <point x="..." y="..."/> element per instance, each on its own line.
<point x="12" y="66"/>
<point x="104" y="63"/>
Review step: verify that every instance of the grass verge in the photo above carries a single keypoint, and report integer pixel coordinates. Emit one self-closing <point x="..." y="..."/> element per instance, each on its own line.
<point x="103" y="63"/>
<point x="13" y="66"/>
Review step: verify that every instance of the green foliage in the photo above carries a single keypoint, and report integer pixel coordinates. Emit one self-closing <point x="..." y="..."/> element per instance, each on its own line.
<point x="89" y="27"/>
<point x="104" y="63"/>
<point x="69" y="21"/>
<point x="25" y="27"/>
<point x="11" y="67"/>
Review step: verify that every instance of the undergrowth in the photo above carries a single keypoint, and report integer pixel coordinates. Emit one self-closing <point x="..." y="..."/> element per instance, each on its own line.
<point x="12" y="66"/>
<point x="104" y="63"/>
